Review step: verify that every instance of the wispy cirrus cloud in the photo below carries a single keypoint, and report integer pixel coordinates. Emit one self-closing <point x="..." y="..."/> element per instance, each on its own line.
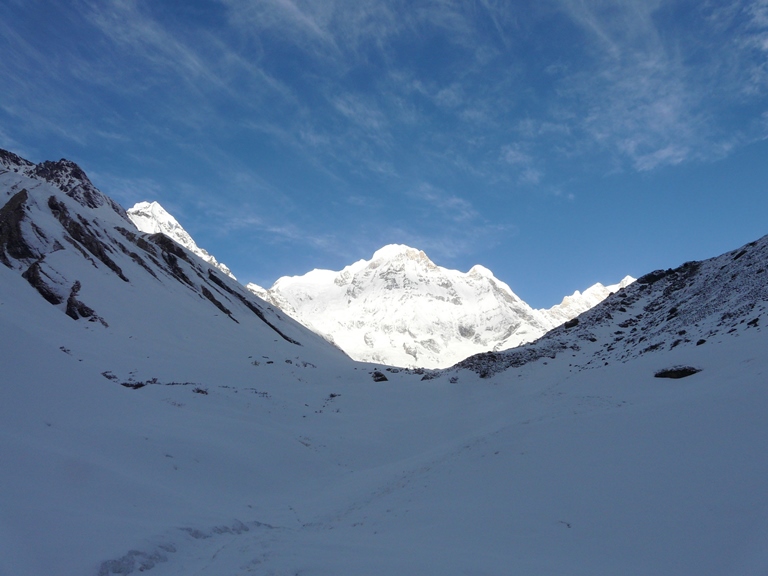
<point x="372" y="40"/>
<point x="755" y="40"/>
<point x="377" y="106"/>
<point x="628" y="97"/>
<point x="333" y="32"/>
<point x="642" y="96"/>
<point x="23" y="66"/>
<point x="525" y="163"/>
<point x="279" y="232"/>
<point x="202" y="60"/>
<point x="450" y="206"/>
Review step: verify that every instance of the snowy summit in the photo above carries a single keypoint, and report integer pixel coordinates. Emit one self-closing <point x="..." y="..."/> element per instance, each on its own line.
<point x="152" y="218"/>
<point x="399" y="308"/>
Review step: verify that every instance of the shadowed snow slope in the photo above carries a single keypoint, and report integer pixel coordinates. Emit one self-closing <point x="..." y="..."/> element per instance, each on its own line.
<point x="399" y="308"/>
<point x="231" y="449"/>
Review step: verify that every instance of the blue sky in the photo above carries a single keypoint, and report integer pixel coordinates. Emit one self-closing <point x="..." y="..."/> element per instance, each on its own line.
<point x="558" y="142"/>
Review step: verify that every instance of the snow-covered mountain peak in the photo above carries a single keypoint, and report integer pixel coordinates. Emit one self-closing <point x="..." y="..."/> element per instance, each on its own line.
<point x="397" y="252"/>
<point x="66" y="176"/>
<point x="155" y="212"/>
<point x="402" y="309"/>
<point x="579" y="302"/>
<point x="400" y="256"/>
<point x="480" y="271"/>
<point x="597" y="292"/>
<point x="152" y="218"/>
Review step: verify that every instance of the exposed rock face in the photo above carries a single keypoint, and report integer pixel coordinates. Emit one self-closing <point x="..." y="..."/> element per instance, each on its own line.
<point x="55" y="224"/>
<point x="12" y="162"/>
<point x="35" y="276"/>
<point x="401" y="309"/>
<point x="81" y="234"/>
<point x="70" y="179"/>
<point x="76" y="309"/>
<point x="12" y="242"/>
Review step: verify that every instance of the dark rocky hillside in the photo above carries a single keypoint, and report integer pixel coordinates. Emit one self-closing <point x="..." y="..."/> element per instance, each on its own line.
<point x="52" y="213"/>
<point x="687" y="306"/>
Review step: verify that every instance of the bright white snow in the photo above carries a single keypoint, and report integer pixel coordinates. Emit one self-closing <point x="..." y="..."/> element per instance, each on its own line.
<point x="538" y="470"/>
<point x="399" y="308"/>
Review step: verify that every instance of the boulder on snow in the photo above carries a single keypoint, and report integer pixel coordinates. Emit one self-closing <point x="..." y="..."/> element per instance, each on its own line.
<point x="379" y="376"/>
<point x="676" y="372"/>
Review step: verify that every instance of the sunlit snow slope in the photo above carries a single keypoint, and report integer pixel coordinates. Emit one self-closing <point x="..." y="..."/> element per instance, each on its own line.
<point x="400" y="309"/>
<point x="160" y="434"/>
<point x="152" y="218"/>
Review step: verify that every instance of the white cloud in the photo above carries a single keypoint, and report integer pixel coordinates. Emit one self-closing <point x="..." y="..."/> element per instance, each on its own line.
<point x="531" y="176"/>
<point x="525" y="163"/>
<point x="448" y="206"/>
<point x="634" y="94"/>
<point x="333" y="31"/>
<point x="451" y="96"/>
<point x="656" y="97"/>
<point x="192" y="67"/>
<point x="364" y="114"/>
<point x="512" y="154"/>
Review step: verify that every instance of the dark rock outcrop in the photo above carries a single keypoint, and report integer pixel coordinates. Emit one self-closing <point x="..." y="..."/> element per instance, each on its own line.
<point x="34" y="275"/>
<point x="12" y="242"/>
<point x="76" y="309"/>
<point x="80" y="231"/>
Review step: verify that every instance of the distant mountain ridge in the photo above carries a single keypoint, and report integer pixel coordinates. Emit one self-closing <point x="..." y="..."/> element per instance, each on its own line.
<point x="401" y="309"/>
<point x="152" y="218"/>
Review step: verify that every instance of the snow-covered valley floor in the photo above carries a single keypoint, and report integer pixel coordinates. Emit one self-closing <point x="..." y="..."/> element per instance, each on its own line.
<point x="538" y="470"/>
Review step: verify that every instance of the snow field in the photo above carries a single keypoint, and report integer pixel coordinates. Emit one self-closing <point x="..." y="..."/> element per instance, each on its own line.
<point x="537" y="470"/>
<point x="182" y="439"/>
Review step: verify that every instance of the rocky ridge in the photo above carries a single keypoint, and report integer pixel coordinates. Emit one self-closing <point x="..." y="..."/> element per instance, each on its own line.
<point x="152" y="218"/>
<point x="82" y="253"/>
<point x="690" y="305"/>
